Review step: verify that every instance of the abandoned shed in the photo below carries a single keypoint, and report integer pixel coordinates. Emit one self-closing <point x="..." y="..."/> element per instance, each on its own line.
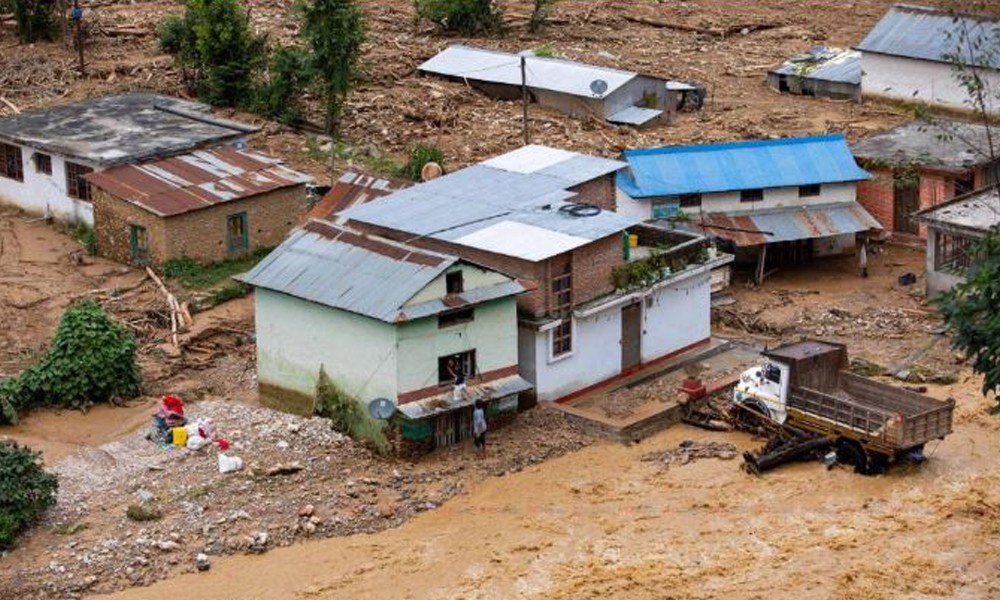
<point x="922" y="164"/>
<point x="44" y="154"/>
<point x="208" y="205"/>
<point x="953" y="230"/>
<point x="574" y="88"/>
<point x="774" y="201"/>
<point x="386" y="320"/>
<point x="822" y="72"/>
<point x="908" y="55"/>
<point x="603" y="306"/>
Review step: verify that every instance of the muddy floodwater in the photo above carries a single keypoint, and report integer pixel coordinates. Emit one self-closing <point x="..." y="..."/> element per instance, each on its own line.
<point x="600" y="523"/>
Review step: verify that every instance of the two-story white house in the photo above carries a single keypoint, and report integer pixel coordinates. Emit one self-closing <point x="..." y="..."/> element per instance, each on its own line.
<point x="44" y="154"/>
<point x="386" y="320"/>
<point x="775" y="201"/>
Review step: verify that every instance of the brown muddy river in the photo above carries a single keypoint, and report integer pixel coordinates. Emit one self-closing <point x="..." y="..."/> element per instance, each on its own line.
<point x="601" y="524"/>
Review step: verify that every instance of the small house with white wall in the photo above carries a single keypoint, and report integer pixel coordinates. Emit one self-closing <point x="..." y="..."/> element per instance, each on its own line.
<point x="788" y="199"/>
<point x="44" y="154"/>
<point x="384" y="320"/>
<point x="908" y="56"/>
<point x="954" y="230"/>
<point x="602" y="306"/>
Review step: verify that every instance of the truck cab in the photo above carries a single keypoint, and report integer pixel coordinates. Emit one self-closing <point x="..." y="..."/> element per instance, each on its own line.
<point x="764" y="389"/>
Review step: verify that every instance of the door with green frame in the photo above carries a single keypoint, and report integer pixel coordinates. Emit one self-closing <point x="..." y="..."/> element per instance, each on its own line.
<point x="139" y="243"/>
<point x="237" y="233"/>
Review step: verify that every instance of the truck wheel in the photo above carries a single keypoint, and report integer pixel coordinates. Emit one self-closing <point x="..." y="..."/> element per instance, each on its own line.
<point x="850" y="452"/>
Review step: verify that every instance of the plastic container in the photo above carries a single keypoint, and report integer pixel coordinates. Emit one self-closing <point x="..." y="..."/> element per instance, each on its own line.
<point x="180" y="436"/>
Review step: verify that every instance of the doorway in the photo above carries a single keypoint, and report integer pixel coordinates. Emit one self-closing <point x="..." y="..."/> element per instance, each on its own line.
<point x="631" y="336"/>
<point x="453" y="427"/>
<point x="906" y="202"/>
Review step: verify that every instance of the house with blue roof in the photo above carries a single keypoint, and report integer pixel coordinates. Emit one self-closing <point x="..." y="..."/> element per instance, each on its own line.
<point x="794" y="197"/>
<point x="906" y="56"/>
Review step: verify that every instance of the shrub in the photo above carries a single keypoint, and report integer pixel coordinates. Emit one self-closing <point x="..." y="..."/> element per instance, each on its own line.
<point x="466" y="17"/>
<point x="281" y="97"/>
<point x="36" y="20"/>
<point x="143" y="512"/>
<point x="348" y="416"/>
<point x="26" y="491"/>
<point x="419" y="157"/>
<point x="218" y="54"/>
<point x="91" y="359"/>
<point x="85" y="235"/>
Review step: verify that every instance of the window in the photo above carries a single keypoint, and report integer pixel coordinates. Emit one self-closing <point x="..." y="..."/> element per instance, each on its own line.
<point x="237" y="234"/>
<point x="751" y="195"/>
<point x="562" y="338"/>
<point x="76" y="186"/>
<point x="954" y="253"/>
<point x="450" y="366"/>
<point x="456" y="317"/>
<point x="43" y="163"/>
<point x="562" y="291"/>
<point x="664" y="207"/>
<point x="690" y="200"/>
<point x="10" y="162"/>
<point x="140" y="244"/>
<point x="966" y="184"/>
<point x="772" y="373"/>
<point x="810" y="191"/>
<point x="455" y="282"/>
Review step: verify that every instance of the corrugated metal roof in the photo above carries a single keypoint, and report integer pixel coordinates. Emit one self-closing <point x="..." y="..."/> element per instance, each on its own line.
<point x="978" y="211"/>
<point x="701" y="169"/>
<point x="446" y="402"/>
<point x="476" y="198"/>
<point x="635" y="115"/>
<point x="354" y="188"/>
<point x="825" y="64"/>
<point x="752" y="228"/>
<point x="336" y="267"/>
<point x="196" y="181"/>
<point x="552" y="74"/>
<point x="954" y="146"/>
<point x="932" y="34"/>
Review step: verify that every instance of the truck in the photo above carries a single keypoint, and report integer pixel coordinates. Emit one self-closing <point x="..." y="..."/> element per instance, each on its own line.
<point x="807" y="386"/>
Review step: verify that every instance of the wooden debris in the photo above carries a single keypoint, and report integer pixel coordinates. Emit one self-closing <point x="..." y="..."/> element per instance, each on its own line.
<point x="723" y="32"/>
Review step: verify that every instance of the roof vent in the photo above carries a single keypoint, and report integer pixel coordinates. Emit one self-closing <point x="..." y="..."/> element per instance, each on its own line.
<point x="580" y="210"/>
<point x="431" y="170"/>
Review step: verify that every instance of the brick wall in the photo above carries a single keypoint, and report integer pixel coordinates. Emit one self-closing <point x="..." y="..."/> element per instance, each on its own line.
<point x="877" y="196"/>
<point x="201" y="234"/>
<point x="592" y="266"/>
<point x="599" y="192"/>
<point x="934" y="189"/>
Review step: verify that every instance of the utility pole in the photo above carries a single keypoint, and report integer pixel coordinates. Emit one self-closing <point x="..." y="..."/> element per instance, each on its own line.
<point x="78" y="27"/>
<point x="524" y="97"/>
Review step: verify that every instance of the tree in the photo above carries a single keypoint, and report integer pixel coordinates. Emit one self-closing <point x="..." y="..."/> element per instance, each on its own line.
<point x="280" y="98"/>
<point x="540" y="15"/>
<point x="466" y="17"/>
<point x="334" y="31"/>
<point x="26" y="491"/>
<point x="36" y="20"/>
<point x="212" y="43"/>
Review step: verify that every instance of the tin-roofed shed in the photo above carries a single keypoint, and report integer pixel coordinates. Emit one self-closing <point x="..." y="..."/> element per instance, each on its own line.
<point x="208" y="205"/>
<point x="821" y="72"/>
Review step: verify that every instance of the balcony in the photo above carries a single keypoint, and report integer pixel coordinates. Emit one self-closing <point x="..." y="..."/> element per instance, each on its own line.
<point x="659" y="255"/>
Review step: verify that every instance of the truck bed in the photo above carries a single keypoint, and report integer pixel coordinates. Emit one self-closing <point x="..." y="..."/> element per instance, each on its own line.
<point x="884" y="417"/>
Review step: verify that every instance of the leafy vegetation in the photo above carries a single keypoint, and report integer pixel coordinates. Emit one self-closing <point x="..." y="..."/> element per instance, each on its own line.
<point x="195" y="276"/>
<point x="36" y="20"/>
<point x="280" y="97"/>
<point x="91" y="360"/>
<point x="348" y="416"/>
<point x="646" y="272"/>
<point x="85" y="235"/>
<point x="419" y="157"/>
<point x="334" y="31"/>
<point x="220" y="57"/>
<point x="26" y="491"/>
<point x="144" y="512"/>
<point x="546" y="50"/>
<point x="465" y="17"/>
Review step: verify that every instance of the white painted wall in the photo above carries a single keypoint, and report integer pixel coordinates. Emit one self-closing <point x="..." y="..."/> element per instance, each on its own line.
<point x="492" y="334"/>
<point x="45" y="194"/>
<point x="914" y="80"/>
<point x="677" y="316"/>
<point x="629" y="206"/>
<point x="596" y="356"/>
<point x="835" y="245"/>
<point x="296" y="337"/>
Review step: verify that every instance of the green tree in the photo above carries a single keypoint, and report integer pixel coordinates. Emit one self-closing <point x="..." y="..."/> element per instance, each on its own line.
<point x="26" y="491"/>
<point x="334" y="31"/>
<point x="465" y="17"/>
<point x="35" y="19"/>
<point x="220" y="56"/>
<point x="289" y="75"/>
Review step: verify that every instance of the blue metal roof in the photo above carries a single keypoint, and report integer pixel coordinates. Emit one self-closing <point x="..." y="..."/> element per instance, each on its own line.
<point x="927" y="33"/>
<point x="709" y="168"/>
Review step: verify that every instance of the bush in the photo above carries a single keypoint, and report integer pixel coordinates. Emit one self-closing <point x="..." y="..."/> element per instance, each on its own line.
<point x="281" y="97"/>
<point x="141" y="513"/>
<point x="419" y="157"/>
<point x="348" y="416"/>
<point x="219" y="55"/>
<point x="85" y="235"/>
<point x="91" y="359"/>
<point x="36" y="20"/>
<point x="466" y="17"/>
<point x="26" y="491"/>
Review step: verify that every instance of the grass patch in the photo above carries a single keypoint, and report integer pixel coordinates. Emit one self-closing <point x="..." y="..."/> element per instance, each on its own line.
<point x="193" y="275"/>
<point x="348" y="416"/>
<point x="71" y="528"/>
<point x="142" y="513"/>
<point x="866" y="368"/>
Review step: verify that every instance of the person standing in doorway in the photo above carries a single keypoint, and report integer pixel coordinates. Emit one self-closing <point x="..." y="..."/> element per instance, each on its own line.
<point x="479" y="428"/>
<point x="457" y="373"/>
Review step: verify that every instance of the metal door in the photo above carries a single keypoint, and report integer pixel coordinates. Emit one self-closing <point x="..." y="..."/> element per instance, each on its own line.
<point x="631" y="336"/>
<point x="907" y="202"/>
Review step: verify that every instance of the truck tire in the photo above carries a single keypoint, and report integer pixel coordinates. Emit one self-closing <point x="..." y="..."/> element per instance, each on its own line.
<point x="850" y="452"/>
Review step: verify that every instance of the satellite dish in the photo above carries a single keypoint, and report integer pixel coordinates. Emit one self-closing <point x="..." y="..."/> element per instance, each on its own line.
<point x="598" y="86"/>
<point x="381" y="409"/>
<point x="431" y="170"/>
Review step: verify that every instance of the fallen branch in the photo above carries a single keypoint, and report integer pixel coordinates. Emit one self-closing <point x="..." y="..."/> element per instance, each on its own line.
<point x="726" y="32"/>
<point x="10" y="105"/>
<point x="171" y="303"/>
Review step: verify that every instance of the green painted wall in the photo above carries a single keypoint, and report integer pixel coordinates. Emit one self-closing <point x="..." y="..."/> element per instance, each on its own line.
<point x="472" y="276"/>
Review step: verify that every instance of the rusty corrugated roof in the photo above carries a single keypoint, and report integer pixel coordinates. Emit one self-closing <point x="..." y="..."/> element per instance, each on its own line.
<point x="746" y="228"/>
<point x="195" y="181"/>
<point x="354" y="188"/>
